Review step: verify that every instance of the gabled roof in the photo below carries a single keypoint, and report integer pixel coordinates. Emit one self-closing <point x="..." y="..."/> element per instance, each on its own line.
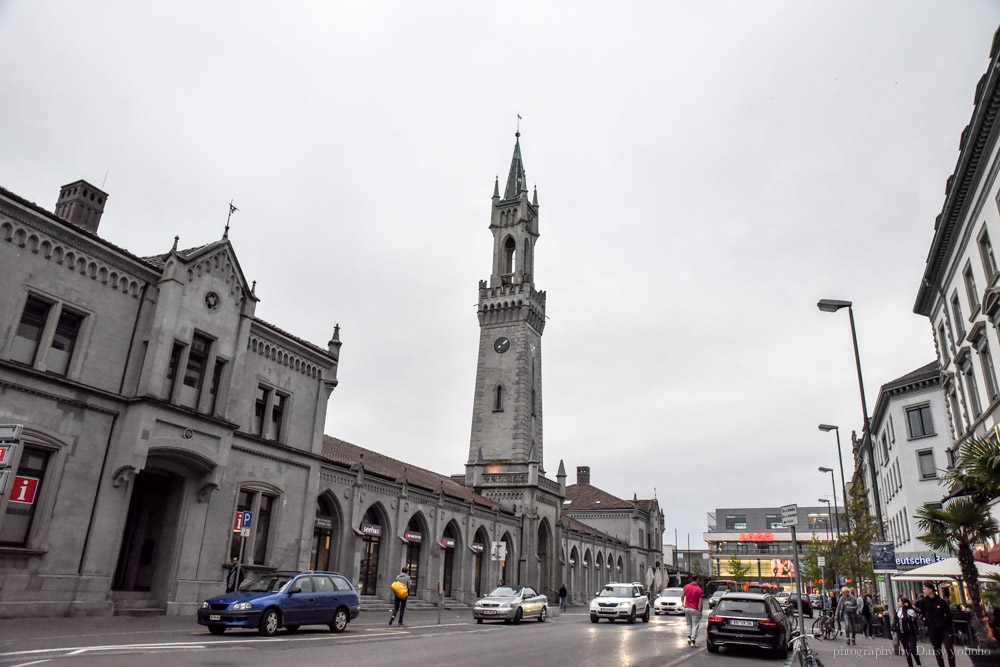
<point x="160" y="261"/>
<point x="589" y="497"/>
<point x="347" y="455"/>
<point x="926" y="376"/>
<point x="569" y="523"/>
<point x="648" y="504"/>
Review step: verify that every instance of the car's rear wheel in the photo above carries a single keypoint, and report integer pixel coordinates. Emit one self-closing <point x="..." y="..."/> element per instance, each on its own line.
<point x="712" y="648"/>
<point x="542" y="616"/>
<point x="517" y="616"/>
<point x="781" y="651"/>
<point x="292" y="628"/>
<point x="216" y="629"/>
<point x="631" y="617"/>
<point x="270" y="621"/>
<point x="339" y="622"/>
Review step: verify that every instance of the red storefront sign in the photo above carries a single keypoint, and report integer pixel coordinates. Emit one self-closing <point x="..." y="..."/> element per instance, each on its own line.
<point x="24" y="490"/>
<point x="756" y="537"/>
<point x="413" y="536"/>
<point x="448" y="542"/>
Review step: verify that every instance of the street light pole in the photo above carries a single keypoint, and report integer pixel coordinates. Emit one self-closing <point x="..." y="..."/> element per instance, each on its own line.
<point x="829" y="526"/>
<point x="832" y="306"/>
<point x="843" y="482"/>
<point x="833" y="486"/>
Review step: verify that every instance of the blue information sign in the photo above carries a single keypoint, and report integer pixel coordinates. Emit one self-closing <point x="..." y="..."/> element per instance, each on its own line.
<point x="247" y="519"/>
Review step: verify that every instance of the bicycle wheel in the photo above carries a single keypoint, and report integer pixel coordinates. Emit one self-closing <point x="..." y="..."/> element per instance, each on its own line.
<point x="819" y="627"/>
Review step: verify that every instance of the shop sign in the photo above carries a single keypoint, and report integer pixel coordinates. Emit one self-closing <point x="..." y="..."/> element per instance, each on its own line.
<point x="371" y="529"/>
<point x="448" y="542"/>
<point x="756" y="537"/>
<point x="477" y="547"/>
<point x="413" y="536"/>
<point x="324" y="523"/>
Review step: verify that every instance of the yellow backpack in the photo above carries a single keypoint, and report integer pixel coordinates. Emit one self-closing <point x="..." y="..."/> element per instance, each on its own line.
<point x="400" y="589"/>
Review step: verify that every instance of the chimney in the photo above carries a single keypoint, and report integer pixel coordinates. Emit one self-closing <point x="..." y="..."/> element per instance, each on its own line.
<point x="82" y="204"/>
<point x="583" y="474"/>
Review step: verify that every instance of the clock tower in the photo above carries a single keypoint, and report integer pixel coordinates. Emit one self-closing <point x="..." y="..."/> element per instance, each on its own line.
<point x="507" y="410"/>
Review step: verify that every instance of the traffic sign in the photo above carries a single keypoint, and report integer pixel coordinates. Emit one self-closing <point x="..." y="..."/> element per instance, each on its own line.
<point x="821" y="561"/>
<point x="789" y="515"/>
<point x="247" y="519"/>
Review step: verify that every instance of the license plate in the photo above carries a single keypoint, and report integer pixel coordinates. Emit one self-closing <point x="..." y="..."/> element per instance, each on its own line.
<point x="488" y="612"/>
<point x="215" y="617"/>
<point x="747" y="624"/>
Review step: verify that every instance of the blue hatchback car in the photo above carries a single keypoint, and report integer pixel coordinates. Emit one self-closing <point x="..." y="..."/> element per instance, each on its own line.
<point x="284" y="599"/>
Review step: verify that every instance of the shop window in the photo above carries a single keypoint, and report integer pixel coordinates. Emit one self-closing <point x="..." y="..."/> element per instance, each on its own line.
<point x="26" y="488"/>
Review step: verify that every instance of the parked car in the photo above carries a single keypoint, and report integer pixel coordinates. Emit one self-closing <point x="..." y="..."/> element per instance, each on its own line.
<point x="793" y="604"/>
<point x="749" y="619"/>
<point x="627" y="601"/>
<point x="716" y="596"/>
<point x="284" y="599"/>
<point x="782" y="597"/>
<point x="510" y="604"/>
<point x="668" y="602"/>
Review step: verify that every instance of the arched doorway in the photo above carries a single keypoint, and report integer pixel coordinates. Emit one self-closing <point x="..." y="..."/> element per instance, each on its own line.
<point x="506" y="568"/>
<point x="150" y="528"/>
<point x="588" y="581"/>
<point x="544" y="553"/>
<point x="450" y="542"/>
<point x="371" y="536"/>
<point x="599" y="570"/>
<point x="326" y="536"/>
<point x="414" y="536"/>
<point x="480" y="544"/>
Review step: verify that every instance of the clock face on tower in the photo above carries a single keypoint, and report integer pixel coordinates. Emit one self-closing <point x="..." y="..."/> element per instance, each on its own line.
<point x="501" y="345"/>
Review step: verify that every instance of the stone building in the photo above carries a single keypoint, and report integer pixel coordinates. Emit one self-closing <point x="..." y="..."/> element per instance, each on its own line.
<point x="156" y="405"/>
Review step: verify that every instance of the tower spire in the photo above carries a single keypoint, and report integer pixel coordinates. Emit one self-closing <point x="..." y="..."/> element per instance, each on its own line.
<point x="515" y="179"/>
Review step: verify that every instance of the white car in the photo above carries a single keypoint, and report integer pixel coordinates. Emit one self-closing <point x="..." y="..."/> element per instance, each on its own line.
<point x="668" y="602"/>
<point x="627" y="601"/>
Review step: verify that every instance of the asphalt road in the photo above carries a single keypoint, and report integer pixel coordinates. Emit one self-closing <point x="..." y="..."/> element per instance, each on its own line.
<point x="566" y="639"/>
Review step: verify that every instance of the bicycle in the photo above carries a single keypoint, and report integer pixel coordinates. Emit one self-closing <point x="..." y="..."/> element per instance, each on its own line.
<point x="801" y="652"/>
<point x="825" y="627"/>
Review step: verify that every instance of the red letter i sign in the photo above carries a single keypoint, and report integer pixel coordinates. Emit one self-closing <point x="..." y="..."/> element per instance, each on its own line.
<point x="23" y="490"/>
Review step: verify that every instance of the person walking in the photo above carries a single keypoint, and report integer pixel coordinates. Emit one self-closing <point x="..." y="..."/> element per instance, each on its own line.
<point x="235" y="576"/>
<point x="562" y="597"/>
<point x="400" y="590"/>
<point x="905" y="627"/>
<point x="865" y="609"/>
<point x="937" y="619"/>
<point x="831" y="605"/>
<point x="691" y="599"/>
<point x="847" y="611"/>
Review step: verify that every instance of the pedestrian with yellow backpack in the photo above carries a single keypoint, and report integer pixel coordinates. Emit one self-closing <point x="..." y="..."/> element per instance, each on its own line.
<point x="400" y="590"/>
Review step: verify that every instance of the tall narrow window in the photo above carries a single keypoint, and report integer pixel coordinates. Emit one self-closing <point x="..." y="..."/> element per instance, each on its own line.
<point x="255" y="547"/>
<point x="263" y="529"/>
<point x="260" y="409"/>
<point x="925" y="460"/>
<point x="194" y="373"/>
<point x="175" y="360"/>
<point x="63" y="342"/>
<point x="277" y="417"/>
<point x="970" y="287"/>
<point x="986" y="253"/>
<point x="885" y="450"/>
<point x="989" y="372"/>
<point x="509" y="247"/>
<point x="973" y="390"/>
<point x="956" y="412"/>
<point x="956" y="309"/>
<point x="220" y="366"/>
<point x="23" y="499"/>
<point x="29" y="331"/>
<point x="498" y="399"/>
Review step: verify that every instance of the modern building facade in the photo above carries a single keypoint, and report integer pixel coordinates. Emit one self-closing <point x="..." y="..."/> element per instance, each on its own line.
<point x="756" y="537"/>
<point x="155" y="405"/>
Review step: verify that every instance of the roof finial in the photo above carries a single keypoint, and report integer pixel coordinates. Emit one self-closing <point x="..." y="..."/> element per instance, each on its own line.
<point x="232" y="209"/>
<point x="176" y="239"/>
<point x="518" y="133"/>
<point x="253" y="288"/>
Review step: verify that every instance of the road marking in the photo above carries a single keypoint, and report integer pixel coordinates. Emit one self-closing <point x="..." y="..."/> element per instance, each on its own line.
<point x="681" y="659"/>
<point x="36" y="662"/>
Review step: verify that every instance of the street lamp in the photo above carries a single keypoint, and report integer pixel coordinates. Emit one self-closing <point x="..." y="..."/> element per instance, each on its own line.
<point x="832" y="306"/>
<point x="843" y="484"/>
<point x="829" y="526"/>
<point x="833" y="485"/>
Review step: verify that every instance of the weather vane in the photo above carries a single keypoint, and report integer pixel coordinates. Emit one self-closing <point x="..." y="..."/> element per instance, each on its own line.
<point x="232" y="209"/>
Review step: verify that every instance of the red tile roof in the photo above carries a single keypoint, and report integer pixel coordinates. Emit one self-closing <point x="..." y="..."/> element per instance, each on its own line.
<point x="346" y="454"/>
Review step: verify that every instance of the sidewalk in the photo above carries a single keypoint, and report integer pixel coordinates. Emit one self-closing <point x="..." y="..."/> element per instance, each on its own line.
<point x="871" y="652"/>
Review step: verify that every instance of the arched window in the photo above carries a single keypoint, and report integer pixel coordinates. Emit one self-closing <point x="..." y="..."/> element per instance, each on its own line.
<point x="509" y="249"/>
<point x="498" y="399"/>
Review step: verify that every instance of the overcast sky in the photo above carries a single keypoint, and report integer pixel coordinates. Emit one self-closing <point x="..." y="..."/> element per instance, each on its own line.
<point x="706" y="172"/>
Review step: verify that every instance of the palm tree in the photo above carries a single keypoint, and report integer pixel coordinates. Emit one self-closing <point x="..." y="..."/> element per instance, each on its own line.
<point x="960" y="524"/>
<point x="978" y="472"/>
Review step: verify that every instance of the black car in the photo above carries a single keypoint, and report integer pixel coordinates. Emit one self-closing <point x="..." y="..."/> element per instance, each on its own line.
<point x="748" y="619"/>
<point x="807" y="608"/>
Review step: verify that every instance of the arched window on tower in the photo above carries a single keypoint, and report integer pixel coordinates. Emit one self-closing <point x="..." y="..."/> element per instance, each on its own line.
<point x="498" y="399"/>
<point x="526" y="257"/>
<point x="509" y="250"/>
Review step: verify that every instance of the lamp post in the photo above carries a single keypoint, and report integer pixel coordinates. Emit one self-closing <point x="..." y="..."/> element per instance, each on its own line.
<point x="832" y="306"/>
<point x="833" y="486"/>
<point x="843" y="483"/>
<point x="829" y="525"/>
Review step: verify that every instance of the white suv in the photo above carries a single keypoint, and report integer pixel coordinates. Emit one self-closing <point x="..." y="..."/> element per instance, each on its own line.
<point x="626" y="601"/>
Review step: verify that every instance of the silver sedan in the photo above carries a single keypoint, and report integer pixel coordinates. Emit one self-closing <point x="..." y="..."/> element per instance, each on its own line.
<point x="511" y="604"/>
